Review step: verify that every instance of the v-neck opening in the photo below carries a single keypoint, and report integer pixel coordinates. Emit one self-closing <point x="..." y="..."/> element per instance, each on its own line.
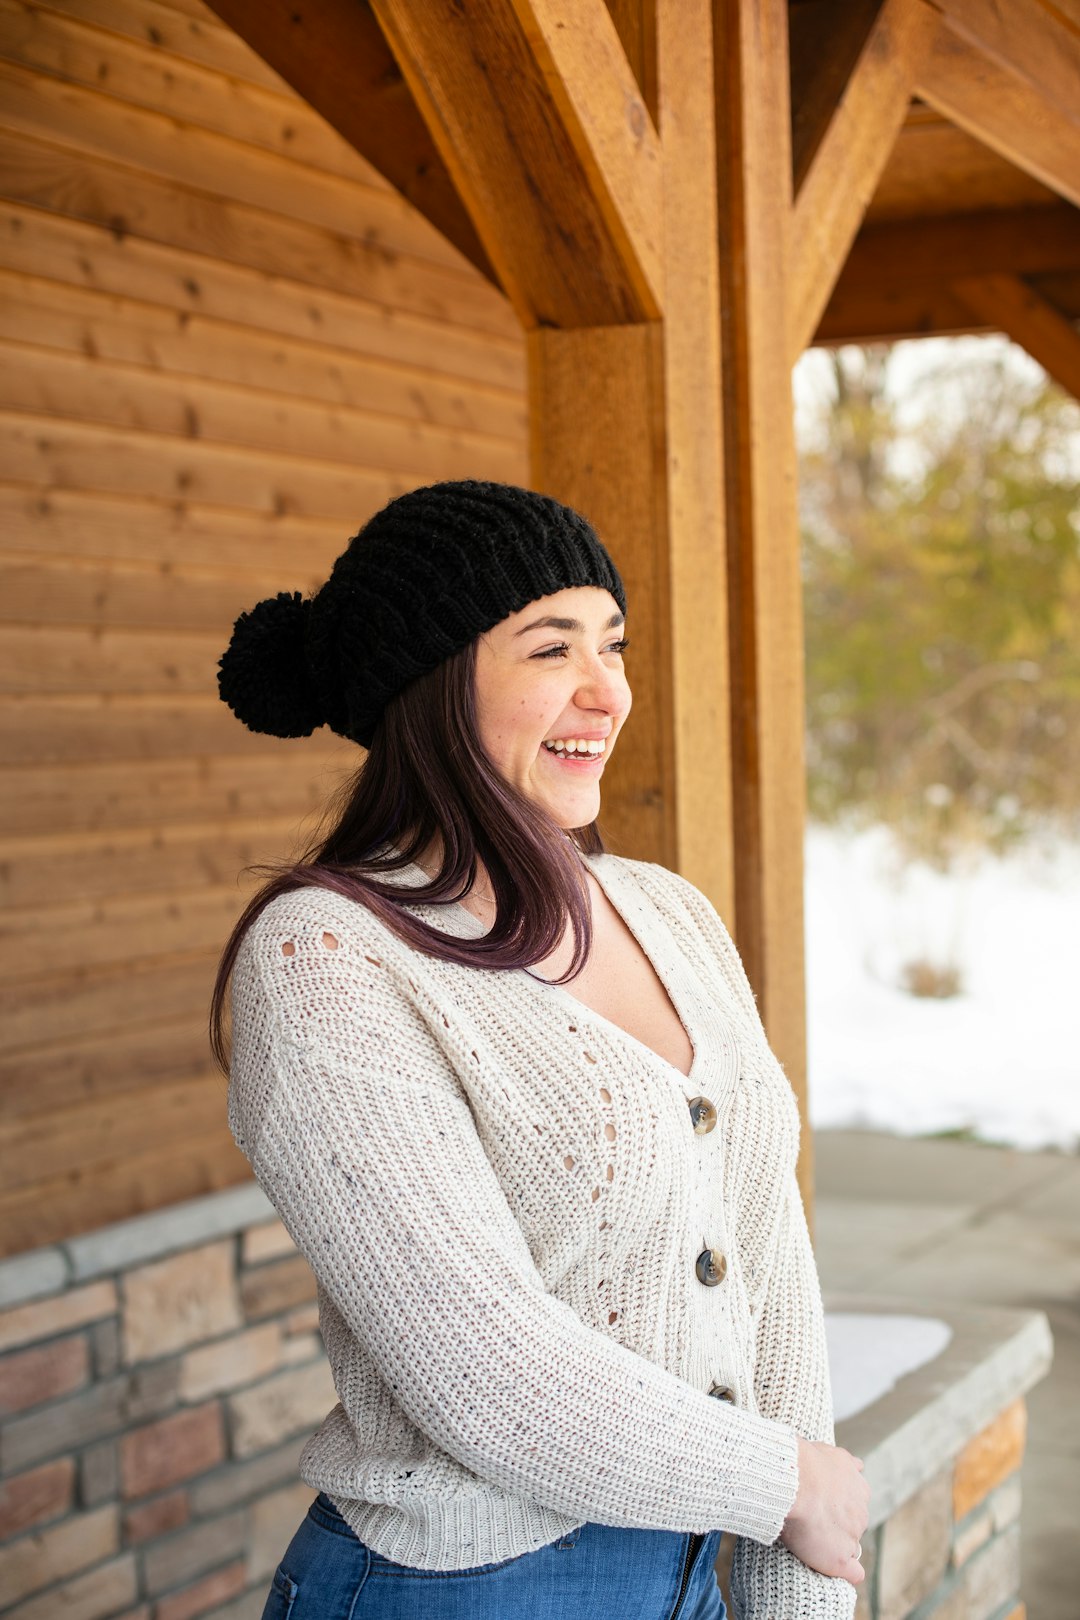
<point x="547" y="987"/>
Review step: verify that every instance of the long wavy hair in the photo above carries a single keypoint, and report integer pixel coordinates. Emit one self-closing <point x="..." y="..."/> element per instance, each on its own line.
<point x="427" y="777"/>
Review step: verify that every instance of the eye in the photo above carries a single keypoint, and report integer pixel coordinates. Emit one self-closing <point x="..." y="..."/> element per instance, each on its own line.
<point x="619" y="646"/>
<point x="553" y="652"/>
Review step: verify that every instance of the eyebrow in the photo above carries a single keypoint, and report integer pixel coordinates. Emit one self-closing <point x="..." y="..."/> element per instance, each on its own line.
<point x="551" y="623"/>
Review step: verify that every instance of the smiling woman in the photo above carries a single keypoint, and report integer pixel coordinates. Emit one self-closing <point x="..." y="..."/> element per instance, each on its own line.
<point x="512" y="1100"/>
<point x="549" y="710"/>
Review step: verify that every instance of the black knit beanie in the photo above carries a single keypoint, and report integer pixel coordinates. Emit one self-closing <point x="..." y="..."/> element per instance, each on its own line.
<point x="424" y="577"/>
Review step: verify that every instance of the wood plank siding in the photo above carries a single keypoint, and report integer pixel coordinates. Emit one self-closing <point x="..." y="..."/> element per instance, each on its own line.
<point x="224" y="341"/>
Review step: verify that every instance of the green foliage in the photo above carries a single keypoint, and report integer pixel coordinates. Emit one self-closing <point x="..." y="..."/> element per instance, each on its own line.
<point x="941" y="560"/>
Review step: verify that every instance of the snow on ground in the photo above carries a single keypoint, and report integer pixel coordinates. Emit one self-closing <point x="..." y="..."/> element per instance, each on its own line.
<point x="1002" y="1058"/>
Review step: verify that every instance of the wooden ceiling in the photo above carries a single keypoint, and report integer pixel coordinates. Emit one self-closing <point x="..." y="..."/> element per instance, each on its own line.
<point x="947" y="206"/>
<point x="953" y="123"/>
<point x="936" y="168"/>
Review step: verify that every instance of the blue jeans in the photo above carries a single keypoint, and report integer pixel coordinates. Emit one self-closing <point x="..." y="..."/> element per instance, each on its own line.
<point x="595" y="1572"/>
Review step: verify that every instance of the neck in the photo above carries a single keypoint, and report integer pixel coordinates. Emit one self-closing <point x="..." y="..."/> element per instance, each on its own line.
<point x="479" y="898"/>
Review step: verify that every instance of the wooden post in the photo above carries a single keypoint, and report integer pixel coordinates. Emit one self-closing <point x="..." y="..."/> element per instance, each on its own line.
<point x="626" y="423"/>
<point x="754" y="190"/>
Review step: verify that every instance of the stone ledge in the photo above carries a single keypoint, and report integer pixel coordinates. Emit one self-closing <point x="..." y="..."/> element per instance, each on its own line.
<point x="33" y="1275"/>
<point x="54" y="1267"/>
<point x="921" y="1425"/>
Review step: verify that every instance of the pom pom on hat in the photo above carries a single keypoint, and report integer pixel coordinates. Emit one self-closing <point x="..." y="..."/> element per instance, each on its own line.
<point x="263" y="673"/>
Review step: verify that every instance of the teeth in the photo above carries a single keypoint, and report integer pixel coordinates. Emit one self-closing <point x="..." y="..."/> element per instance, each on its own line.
<point x="576" y="745"/>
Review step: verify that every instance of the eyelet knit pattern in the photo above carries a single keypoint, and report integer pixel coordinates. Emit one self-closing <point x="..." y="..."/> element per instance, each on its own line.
<point x="502" y="1197"/>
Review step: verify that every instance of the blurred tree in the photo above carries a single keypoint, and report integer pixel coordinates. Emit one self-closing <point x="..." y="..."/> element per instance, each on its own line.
<point x="942" y="572"/>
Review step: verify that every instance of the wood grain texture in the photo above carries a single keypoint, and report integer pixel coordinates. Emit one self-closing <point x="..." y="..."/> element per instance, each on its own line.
<point x="48" y="452"/>
<point x="1010" y="305"/>
<point x="754" y="194"/>
<point x="899" y="279"/>
<point x="336" y="59"/>
<point x="481" y="92"/>
<point x="93" y="796"/>
<point x="78" y="1139"/>
<point x="80" y="523"/>
<point x="999" y="103"/>
<point x="825" y="40"/>
<point x="1022" y="241"/>
<point x="700" y="720"/>
<point x="48" y="38"/>
<point x="156" y="860"/>
<point x="937" y="168"/>
<point x="577" y="48"/>
<point x="64" y="179"/>
<point x="53" y="1075"/>
<point x="842" y="174"/>
<point x="1033" y="39"/>
<point x="51" y="1210"/>
<point x="225" y="342"/>
<point x="189" y="34"/>
<point x="104" y="327"/>
<point x="62" y="938"/>
<point x="50" y="383"/>
<point x="63" y="111"/>
<point x="597" y="415"/>
<point x="100" y="255"/>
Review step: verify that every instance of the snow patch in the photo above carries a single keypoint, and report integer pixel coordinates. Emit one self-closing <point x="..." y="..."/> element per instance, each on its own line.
<point x="1001" y="1060"/>
<point x="868" y="1354"/>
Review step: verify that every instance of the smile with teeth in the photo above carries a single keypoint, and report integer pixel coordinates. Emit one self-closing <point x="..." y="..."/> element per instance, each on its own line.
<point x="566" y="747"/>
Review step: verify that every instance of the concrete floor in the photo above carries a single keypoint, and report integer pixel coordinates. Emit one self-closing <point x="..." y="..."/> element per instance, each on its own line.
<point x="923" y="1218"/>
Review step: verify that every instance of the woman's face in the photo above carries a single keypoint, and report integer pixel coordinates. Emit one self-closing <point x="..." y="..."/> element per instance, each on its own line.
<point x="553" y="673"/>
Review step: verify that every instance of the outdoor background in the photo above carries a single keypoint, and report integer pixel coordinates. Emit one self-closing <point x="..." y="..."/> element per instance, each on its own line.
<point x="941" y="527"/>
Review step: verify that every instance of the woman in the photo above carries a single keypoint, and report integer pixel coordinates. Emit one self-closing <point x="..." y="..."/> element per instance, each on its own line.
<point x="512" y="1100"/>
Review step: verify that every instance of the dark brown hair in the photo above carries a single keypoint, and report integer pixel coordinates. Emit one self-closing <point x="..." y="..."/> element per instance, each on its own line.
<point x="426" y="776"/>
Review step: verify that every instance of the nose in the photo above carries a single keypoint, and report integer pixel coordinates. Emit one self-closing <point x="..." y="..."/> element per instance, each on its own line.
<point x="603" y="687"/>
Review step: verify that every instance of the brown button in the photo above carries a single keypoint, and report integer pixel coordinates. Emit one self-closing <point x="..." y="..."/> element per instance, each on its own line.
<point x="721" y="1392"/>
<point x="703" y="1115"/>
<point x="711" y="1267"/>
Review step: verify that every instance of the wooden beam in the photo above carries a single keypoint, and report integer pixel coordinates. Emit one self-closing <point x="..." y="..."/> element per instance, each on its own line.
<point x="697" y="556"/>
<point x="765" y="587"/>
<point x="598" y="441"/>
<point x="899" y="278"/>
<point x="1004" y="108"/>
<point x="1007" y="304"/>
<point x="865" y="314"/>
<point x="841" y="177"/>
<point x="635" y="21"/>
<point x="825" y="40"/>
<point x="334" y="55"/>
<point x="1034" y="39"/>
<point x="1022" y="241"/>
<point x="503" y="137"/>
<point x="577" y="48"/>
<point x="626" y="424"/>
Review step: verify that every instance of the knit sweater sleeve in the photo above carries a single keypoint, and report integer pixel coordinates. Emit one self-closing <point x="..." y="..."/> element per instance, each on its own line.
<point x="345" y="1096"/>
<point x="791" y="1379"/>
<point x="791" y="1384"/>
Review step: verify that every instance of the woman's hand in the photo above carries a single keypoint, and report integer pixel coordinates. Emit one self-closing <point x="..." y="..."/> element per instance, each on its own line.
<point x="829" y="1516"/>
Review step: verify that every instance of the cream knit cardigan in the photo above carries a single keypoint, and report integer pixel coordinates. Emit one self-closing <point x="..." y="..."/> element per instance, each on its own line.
<point x="502" y="1197"/>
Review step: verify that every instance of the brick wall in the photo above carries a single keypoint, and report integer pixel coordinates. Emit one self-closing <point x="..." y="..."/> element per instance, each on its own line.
<point x="952" y="1551"/>
<point x="157" y="1380"/>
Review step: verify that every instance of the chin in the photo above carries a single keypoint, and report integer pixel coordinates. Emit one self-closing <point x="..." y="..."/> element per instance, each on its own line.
<point x="574" y="815"/>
